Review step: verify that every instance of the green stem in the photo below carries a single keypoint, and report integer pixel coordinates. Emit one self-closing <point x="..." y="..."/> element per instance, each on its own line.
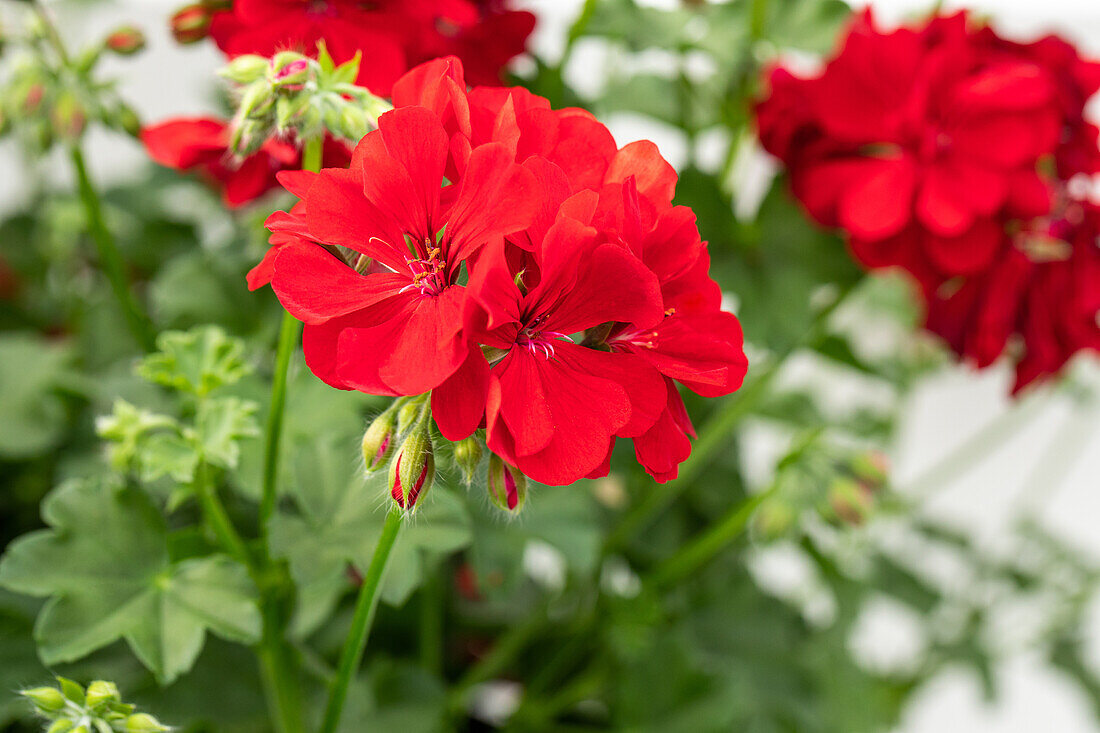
<point x="289" y="333"/>
<point x="109" y="257"/>
<point x="365" y="606"/>
<point x="278" y="667"/>
<point x="703" y="548"/>
<point x="217" y="519"/>
<point x="758" y="20"/>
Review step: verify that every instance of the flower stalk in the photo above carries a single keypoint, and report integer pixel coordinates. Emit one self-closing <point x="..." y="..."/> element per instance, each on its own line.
<point x="365" y="606"/>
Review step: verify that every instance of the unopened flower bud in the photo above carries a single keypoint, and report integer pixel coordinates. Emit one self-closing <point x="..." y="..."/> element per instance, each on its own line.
<point x="774" y="519"/>
<point x="61" y="725"/>
<point x="46" y="699"/>
<point x="245" y="69"/>
<point x="412" y="469"/>
<point x="32" y="97"/>
<point x="125" y="41"/>
<point x="850" y="501"/>
<point x="191" y="23"/>
<point x="507" y="485"/>
<point x="354" y="122"/>
<point x="101" y="693"/>
<point x="870" y="468"/>
<point x="468" y="456"/>
<point x="288" y="69"/>
<point x="257" y="100"/>
<point x="379" y="440"/>
<point x="71" y="690"/>
<point x="143" y="723"/>
<point x="247" y="137"/>
<point x="126" y="119"/>
<point x="68" y="117"/>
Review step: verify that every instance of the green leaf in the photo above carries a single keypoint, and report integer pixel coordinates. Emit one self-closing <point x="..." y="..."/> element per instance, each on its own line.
<point x="221" y="424"/>
<point x="32" y="413"/>
<point x="127" y="427"/>
<point x="340" y="521"/>
<point x="169" y="455"/>
<point x="104" y="566"/>
<point x="196" y="361"/>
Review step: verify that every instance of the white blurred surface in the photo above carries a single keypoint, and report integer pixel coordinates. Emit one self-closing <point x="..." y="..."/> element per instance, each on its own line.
<point x="171" y="80"/>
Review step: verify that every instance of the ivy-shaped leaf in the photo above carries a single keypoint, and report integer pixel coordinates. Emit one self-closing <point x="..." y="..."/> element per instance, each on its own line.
<point x="127" y="427"/>
<point x="105" y="567"/>
<point x="196" y="361"/>
<point x="220" y="424"/>
<point x="340" y="521"/>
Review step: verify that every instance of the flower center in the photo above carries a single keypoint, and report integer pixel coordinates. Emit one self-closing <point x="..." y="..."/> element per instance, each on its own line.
<point x="536" y="340"/>
<point x="429" y="275"/>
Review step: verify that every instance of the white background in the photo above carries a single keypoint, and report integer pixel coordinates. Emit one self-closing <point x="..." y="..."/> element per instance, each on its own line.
<point x="170" y="80"/>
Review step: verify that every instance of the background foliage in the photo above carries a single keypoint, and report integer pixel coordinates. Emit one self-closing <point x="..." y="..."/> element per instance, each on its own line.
<point x="104" y="454"/>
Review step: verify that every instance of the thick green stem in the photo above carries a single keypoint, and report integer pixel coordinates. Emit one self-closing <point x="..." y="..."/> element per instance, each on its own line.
<point x="109" y="257"/>
<point x="289" y="333"/>
<point x="365" y="606"/>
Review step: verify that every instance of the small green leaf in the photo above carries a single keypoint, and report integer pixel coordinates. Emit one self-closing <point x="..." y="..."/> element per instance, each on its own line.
<point x="104" y="566"/>
<point x="221" y="424"/>
<point x="169" y="455"/>
<point x="127" y="428"/>
<point x="196" y="361"/>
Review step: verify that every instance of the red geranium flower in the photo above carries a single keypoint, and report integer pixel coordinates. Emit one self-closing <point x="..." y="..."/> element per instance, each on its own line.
<point x="391" y="34"/>
<point x="1044" y="291"/>
<point x="911" y="140"/>
<point x="202" y="143"/>
<point x="396" y="328"/>
<point x="552" y="406"/>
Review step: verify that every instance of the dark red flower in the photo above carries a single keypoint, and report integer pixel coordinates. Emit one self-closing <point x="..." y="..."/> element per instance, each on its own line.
<point x="388" y="319"/>
<point x="1044" y="292"/>
<point x="916" y="139"/>
<point x="202" y="144"/>
<point x="392" y="35"/>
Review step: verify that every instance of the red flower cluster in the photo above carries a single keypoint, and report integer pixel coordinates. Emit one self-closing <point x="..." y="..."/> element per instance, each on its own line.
<point x="202" y="144"/>
<point x="393" y="35"/>
<point x="510" y="259"/>
<point x="933" y="148"/>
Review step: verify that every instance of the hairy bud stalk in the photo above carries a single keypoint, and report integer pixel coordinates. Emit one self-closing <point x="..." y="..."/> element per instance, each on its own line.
<point x="507" y="485"/>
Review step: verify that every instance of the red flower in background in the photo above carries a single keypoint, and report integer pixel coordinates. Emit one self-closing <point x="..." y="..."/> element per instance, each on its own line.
<point x="202" y="144"/>
<point x="932" y="147"/>
<point x="1045" y="291"/>
<point x="549" y="292"/>
<point x="392" y="35"/>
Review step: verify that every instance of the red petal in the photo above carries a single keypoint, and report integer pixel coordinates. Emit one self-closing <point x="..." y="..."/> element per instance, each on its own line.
<point x="458" y="405"/>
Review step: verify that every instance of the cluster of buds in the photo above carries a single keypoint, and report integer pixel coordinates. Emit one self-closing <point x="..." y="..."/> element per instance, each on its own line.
<point x="291" y="94"/>
<point x="69" y="708"/>
<point x="50" y="97"/>
<point x="401" y="439"/>
<point x="191" y="23"/>
<point x="840" y="487"/>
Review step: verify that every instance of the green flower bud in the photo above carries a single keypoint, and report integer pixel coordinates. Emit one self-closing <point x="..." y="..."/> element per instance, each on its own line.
<point x="850" y="501"/>
<point x="774" y="519"/>
<point x="102" y="693"/>
<point x="127" y="120"/>
<point x="407" y="415"/>
<point x="60" y="726"/>
<point x="378" y="441"/>
<point x="68" y="116"/>
<point x="46" y="699"/>
<point x="468" y="455"/>
<point x="143" y="723"/>
<point x="247" y="137"/>
<point x="507" y="485"/>
<point x="412" y="469"/>
<point x="245" y="69"/>
<point x="288" y="69"/>
<point x="354" y="123"/>
<point x="257" y="100"/>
